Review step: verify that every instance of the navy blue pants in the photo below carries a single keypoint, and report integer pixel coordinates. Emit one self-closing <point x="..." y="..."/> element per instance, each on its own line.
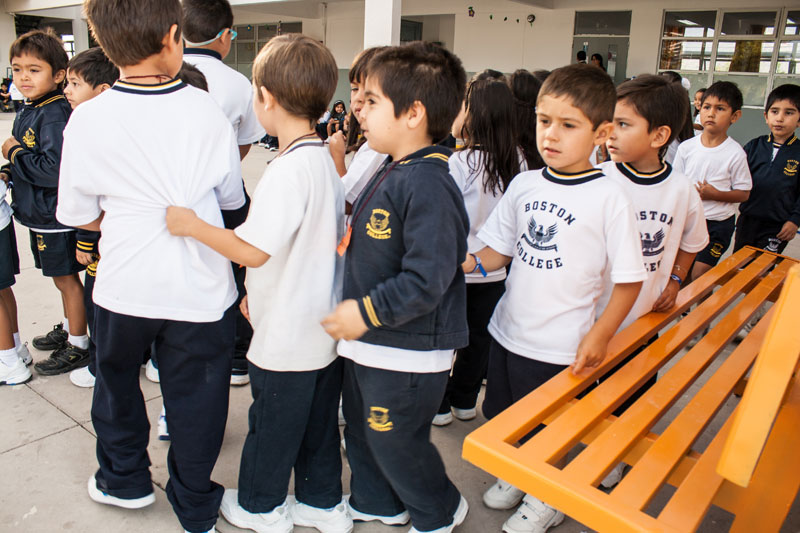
<point x="294" y="424"/>
<point x="88" y="303"/>
<point x="194" y="366"/>
<point x="244" y="331"/>
<point x="394" y="464"/>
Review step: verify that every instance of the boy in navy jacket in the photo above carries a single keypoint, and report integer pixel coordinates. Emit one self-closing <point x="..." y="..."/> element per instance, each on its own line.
<point x="770" y="217"/>
<point x="39" y="63"/>
<point x="404" y="311"/>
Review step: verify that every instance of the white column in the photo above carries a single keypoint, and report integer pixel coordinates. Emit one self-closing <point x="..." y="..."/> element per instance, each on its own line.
<point x="80" y="30"/>
<point x="381" y="22"/>
<point x="8" y="35"/>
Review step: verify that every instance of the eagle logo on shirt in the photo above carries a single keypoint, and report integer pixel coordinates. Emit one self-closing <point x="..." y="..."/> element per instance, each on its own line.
<point x="539" y="236"/>
<point x="378" y="225"/>
<point x="791" y="168"/>
<point x="29" y="138"/>
<point x="652" y="245"/>
<point x="379" y="419"/>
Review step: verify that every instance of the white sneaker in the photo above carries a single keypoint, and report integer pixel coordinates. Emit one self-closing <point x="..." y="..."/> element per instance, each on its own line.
<point x="151" y="372"/>
<point x="442" y="419"/>
<point x="502" y="496"/>
<point x="240" y="380"/>
<point x="163" y="432"/>
<point x="458" y="519"/>
<point x="25" y="354"/>
<point x="334" y="520"/>
<point x="533" y="516"/>
<point x="17" y="374"/>
<point x="358" y="516"/>
<point x="613" y="477"/>
<point x="275" y="521"/>
<point x="464" y="414"/>
<point x="133" y="503"/>
<point x="81" y="377"/>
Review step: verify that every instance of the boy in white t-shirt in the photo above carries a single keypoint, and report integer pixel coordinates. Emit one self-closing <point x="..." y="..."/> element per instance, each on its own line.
<point x="717" y="166"/>
<point x="567" y="226"/>
<point x="121" y="183"/>
<point x="288" y="243"/>
<point x="208" y="32"/>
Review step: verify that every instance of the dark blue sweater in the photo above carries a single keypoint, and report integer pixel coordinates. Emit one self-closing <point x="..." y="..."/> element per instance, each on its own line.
<point x="403" y="264"/>
<point x="776" y="182"/>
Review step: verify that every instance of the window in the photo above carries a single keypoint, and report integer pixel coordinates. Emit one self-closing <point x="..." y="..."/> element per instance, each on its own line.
<point x="757" y="49"/>
<point x="251" y="38"/>
<point x="602" y="22"/>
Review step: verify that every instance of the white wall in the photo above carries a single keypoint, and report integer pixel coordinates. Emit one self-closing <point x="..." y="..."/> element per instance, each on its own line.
<point x="7" y="36"/>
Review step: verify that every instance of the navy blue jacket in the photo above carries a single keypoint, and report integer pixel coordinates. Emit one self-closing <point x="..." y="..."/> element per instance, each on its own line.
<point x="403" y="264"/>
<point x="776" y="182"/>
<point x="35" y="163"/>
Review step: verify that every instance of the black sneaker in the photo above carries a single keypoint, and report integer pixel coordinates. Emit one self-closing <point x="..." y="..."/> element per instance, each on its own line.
<point x="63" y="360"/>
<point x="53" y="340"/>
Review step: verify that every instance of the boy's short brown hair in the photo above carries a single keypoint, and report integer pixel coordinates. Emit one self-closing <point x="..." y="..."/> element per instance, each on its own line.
<point x="41" y="44"/>
<point x="589" y="88"/>
<point x="204" y="19"/>
<point x="659" y="101"/>
<point x="299" y="72"/>
<point x="131" y="31"/>
<point x="358" y="70"/>
<point x="94" y="67"/>
<point x="423" y="72"/>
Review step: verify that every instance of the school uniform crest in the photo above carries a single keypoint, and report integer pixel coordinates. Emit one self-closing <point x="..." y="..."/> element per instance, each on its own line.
<point x="539" y="236"/>
<point x="29" y="138"/>
<point x="791" y="168"/>
<point x="378" y="225"/>
<point x="652" y="245"/>
<point x="40" y="245"/>
<point x="379" y="419"/>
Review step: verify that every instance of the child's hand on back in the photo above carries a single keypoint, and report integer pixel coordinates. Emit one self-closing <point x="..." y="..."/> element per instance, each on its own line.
<point x="705" y="190"/>
<point x="10" y="143"/>
<point x="788" y="231"/>
<point x="84" y="258"/>
<point x="244" y="308"/>
<point x="180" y="221"/>
<point x="591" y="351"/>
<point x="345" y="322"/>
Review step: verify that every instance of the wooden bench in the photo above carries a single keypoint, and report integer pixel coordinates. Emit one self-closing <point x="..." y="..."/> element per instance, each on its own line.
<point x="751" y="467"/>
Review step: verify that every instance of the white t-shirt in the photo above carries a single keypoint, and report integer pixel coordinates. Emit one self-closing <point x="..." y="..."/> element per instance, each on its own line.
<point x="396" y="359"/>
<point x="669" y="216"/>
<point x="130" y="153"/>
<point x="14" y="92"/>
<point x="565" y="232"/>
<point x="469" y="174"/>
<point x="5" y="209"/>
<point x="723" y="167"/>
<point x="231" y="90"/>
<point x="363" y="167"/>
<point x="672" y="150"/>
<point x="297" y="217"/>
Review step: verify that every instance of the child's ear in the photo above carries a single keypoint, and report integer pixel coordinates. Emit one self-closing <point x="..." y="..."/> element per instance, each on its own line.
<point x="736" y="116"/>
<point x="416" y="114"/>
<point x="102" y="87"/>
<point x="765" y="117"/>
<point x="267" y="100"/>
<point x="660" y="136"/>
<point x="603" y="132"/>
<point x="59" y="76"/>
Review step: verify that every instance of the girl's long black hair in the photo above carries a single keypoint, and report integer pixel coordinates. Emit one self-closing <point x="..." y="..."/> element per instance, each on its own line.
<point x="525" y="88"/>
<point x="490" y="129"/>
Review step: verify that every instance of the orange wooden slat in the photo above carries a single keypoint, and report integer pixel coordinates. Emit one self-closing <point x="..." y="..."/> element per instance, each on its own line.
<point x="558" y="438"/>
<point x="646" y="476"/>
<point x="765" y="391"/>
<point x="776" y="480"/>
<point x="593" y="463"/>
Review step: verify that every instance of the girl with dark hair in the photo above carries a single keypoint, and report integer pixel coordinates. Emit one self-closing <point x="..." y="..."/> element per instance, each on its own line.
<point x="482" y="169"/>
<point x="336" y="122"/>
<point x="525" y="88"/>
<point x="597" y="61"/>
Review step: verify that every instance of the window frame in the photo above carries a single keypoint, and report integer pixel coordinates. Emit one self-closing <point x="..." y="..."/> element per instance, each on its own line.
<point x="777" y="38"/>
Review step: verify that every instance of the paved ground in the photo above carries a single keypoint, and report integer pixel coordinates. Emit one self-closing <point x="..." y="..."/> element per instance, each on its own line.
<point x="47" y="444"/>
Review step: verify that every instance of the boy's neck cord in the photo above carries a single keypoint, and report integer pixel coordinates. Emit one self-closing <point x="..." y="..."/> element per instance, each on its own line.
<point x="157" y="76"/>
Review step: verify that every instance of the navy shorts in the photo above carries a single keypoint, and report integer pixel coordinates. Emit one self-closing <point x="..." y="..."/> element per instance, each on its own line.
<point x="54" y="253"/>
<point x="9" y="257"/>
<point x="720" y="233"/>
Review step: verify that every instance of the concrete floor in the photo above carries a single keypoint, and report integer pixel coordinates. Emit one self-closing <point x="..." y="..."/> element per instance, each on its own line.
<point x="47" y="445"/>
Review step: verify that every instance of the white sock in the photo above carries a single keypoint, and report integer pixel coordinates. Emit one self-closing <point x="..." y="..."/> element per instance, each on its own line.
<point x="66" y="325"/>
<point x="79" y="341"/>
<point x="17" y="340"/>
<point x="9" y="357"/>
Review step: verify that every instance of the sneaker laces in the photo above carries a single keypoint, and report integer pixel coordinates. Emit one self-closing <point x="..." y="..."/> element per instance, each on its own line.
<point x="537" y="507"/>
